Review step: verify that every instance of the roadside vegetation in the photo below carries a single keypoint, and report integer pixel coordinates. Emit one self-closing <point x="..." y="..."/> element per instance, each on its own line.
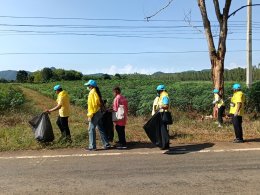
<point x="186" y="96"/>
<point x="11" y="97"/>
<point x="190" y="102"/>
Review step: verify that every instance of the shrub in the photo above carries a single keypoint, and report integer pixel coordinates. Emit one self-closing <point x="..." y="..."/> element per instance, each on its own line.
<point x="253" y="98"/>
<point x="10" y="97"/>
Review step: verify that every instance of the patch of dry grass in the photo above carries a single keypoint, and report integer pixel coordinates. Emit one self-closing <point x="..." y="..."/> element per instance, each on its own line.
<point x="189" y="128"/>
<point x="15" y="132"/>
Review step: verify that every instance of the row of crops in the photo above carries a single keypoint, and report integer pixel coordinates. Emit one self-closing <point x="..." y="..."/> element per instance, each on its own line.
<point x="10" y="97"/>
<point x="185" y="96"/>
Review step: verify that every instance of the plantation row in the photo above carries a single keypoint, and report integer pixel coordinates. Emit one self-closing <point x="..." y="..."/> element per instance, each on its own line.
<point x="185" y="96"/>
<point x="10" y="97"/>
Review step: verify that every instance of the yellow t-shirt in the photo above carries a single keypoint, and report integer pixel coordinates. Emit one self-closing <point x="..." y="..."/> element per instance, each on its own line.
<point x="64" y="101"/>
<point x="161" y="103"/>
<point x="238" y="96"/>
<point x="219" y="101"/>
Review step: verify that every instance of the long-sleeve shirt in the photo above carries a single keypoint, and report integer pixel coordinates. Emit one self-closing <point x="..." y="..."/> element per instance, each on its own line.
<point x="93" y="103"/>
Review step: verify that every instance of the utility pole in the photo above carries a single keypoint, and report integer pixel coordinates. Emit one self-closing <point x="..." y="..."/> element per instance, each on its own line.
<point x="249" y="45"/>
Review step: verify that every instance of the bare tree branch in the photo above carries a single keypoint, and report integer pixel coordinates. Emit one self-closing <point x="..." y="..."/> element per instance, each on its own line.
<point x="207" y="26"/>
<point x="149" y="17"/>
<point x="233" y="13"/>
<point x="187" y="18"/>
<point x="224" y="29"/>
<point x="217" y="10"/>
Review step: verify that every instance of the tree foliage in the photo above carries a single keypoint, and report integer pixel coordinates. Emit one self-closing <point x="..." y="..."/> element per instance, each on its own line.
<point x="237" y="74"/>
<point x="10" y="97"/>
<point x="107" y="77"/>
<point x="22" y="76"/>
<point x="48" y="74"/>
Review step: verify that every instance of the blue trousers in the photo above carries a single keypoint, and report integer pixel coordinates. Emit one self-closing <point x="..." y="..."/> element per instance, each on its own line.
<point x="96" y="122"/>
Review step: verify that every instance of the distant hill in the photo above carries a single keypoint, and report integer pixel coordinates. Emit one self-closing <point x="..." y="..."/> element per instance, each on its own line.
<point x="8" y="74"/>
<point x="158" y="73"/>
<point x="187" y="71"/>
<point x="95" y="75"/>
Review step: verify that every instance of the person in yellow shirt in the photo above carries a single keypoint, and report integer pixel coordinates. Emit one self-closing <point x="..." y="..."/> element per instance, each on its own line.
<point x="237" y="111"/>
<point x="219" y="103"/>
<point x="94" y="115"/>
<point x="163" y="105"/>
<point x="162" y="100"/>
<point x="63" y="105"/>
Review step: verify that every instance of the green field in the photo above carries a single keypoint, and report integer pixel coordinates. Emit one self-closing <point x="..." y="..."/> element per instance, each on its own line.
<point x="140" y="92"/>
<point x="189" y="101"/>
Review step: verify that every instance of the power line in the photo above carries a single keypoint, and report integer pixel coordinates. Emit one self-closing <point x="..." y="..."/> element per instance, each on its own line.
<point x="111" y="53"/>
<point x="163" y="31"/>
<point x="87" y="19"/>
<point x="144" y="36"/>
<point x="111" y="19"/>
<point x="90" y="26"/>
<point x="102" y="19"/>
<point x="110" y="26"/>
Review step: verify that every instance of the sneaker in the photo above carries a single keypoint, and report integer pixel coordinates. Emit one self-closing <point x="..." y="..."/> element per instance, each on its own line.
<point x="220" y="126"/>
<point x="238" y="141"/>
<point x="120" y="146"/>
<point x="90" y="149"/>
<point x="108" y="147"/>
<point x="167" y="147"/>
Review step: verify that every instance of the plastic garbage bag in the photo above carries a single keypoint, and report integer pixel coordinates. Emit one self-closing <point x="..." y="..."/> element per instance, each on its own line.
<point x="108" y="125"/>
<point x="42" y="128"/>
<point x="157" y="131"/>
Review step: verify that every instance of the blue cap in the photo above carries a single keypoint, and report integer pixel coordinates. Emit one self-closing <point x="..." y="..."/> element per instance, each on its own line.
<point x="236" y="86"/>
<point x="91" y="83"/>
<point x="160" y="87"/>
<point x="56" y="87"/>
<point x="215" y="91"/>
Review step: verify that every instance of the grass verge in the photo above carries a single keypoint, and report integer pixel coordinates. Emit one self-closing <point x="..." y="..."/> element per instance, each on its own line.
<point x="16" y="134"/>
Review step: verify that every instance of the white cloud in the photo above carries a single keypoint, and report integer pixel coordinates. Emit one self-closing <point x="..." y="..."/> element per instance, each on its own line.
<point x="127" y="69"/>
<point x="233" y="65"/>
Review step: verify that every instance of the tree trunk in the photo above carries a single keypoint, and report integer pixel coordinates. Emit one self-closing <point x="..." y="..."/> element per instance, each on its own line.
<point x="217" y="56"/>
<point x="217" y="73"/>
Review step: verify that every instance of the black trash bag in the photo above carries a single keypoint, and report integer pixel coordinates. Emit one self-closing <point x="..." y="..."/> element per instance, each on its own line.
<point x="42" y="128"/>
<point x="108" y="125"/>
<point x="167" y="117"/>
<point x="157" y="131"/>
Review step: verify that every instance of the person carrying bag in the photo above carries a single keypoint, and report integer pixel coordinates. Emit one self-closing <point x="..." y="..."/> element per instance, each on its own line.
<point x="119" y="116"/>
<point x="95" y="116"/>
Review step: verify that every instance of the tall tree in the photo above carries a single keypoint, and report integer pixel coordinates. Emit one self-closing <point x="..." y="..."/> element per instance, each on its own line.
<point x="22" y="76"/>
<point x="37" y="77"/>
<point x="46" y="74"/>
<point x="217" y="55"/>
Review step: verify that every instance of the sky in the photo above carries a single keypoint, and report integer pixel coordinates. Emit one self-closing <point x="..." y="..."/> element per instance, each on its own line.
<point x="112" y="36"/>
